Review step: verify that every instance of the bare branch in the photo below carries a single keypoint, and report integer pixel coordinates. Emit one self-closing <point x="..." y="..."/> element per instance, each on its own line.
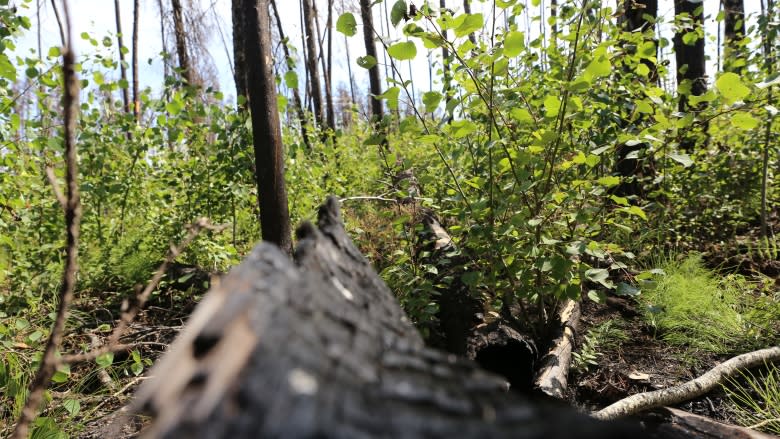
<point x="72" y="223"/>
<point x="689" y="390"/>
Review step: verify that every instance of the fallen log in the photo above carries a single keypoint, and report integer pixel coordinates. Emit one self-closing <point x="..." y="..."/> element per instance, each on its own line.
<point x="671" y="423"/>
<point x="322" y="349"/>
<point x="552" y="374"/>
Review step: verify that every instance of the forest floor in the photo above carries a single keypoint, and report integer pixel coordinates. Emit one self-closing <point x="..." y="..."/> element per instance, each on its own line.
<point x="640" y="362"/>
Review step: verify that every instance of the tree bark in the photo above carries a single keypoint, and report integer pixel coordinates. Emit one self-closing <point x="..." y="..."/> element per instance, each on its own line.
<point x="322" y="349"/>
<point x="331" y="112"/>
<point x="291" y="68"/>
<point x="181" y="42"/>
<point x="311" y="61"/>
<point x="373" y="73"/>
<point x="120" y="47"/>
<point x="239" y="52"/>
<point x="266" y="130"/>
<point x="734" y="33"/>
<point x="690" y="57"/>
<point x="136" y="97"/>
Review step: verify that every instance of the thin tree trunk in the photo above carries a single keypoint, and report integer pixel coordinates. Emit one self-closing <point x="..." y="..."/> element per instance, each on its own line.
<point x="373" y="72"/>
<point x="768" y="57"/>
<point x="136" y="98"/>
<point x="311" y="61"/>
<point x="59" y="21"/>
<point x="266" y="129"/>
<point x="122" y="68"/>
<point x="349" y="64"/>
<point x="239" y="51"/>
<point x="329" y="70"/>
<point x="734" y="33"/>
<point x="181" y="41"/>
<point x="166" y="65"/>
<point x="290" y="63"/>
<point x="445" y="64"/>
<point x="690" y="62"/>
<point x="328" y="110"/>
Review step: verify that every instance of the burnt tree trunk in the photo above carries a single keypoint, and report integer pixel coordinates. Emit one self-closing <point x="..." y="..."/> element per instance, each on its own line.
<point x="290" y="63"/>
<point x="181" y="41"/>
<point x="373" y="73"/>
<point x="690" y="56"/>
<point x="321" y="348"/>
<point x="120" y="49"/>
<point x="136" y="97"/>
<point x="734" y="33"/>
<point x="266" y="129"/>
<point x="239" y="51"/>
<point x="311" y="61"/>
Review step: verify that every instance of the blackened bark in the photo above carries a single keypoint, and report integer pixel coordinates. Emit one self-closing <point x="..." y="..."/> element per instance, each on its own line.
<point x="120" y="47"/>
<point x="291" y="68"/>
<point x="181" y="41"/>
<point x="239" y="51"/>
<point x="266" y="130"/>
<point x="445" y="64"/>
<point x="690" y="62"/>
<point x="640" y="16"/>
<point x="690" y="57"/>
<point x="322" y="349"/>
<point x="311" y="60"/>
<point x="467" y="9"/>
<point x="328" y="71"/>
<point x="734" y="33"/>
<point x="136" y="98"/>
<point x="373" y="73"/>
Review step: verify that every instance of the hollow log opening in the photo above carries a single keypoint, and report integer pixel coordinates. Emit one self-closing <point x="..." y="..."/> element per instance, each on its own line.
<point x="513" y="361"/>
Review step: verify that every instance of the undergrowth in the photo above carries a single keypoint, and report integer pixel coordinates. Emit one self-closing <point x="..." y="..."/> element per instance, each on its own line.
<point x="756" y="399"/>
<point x="690" y="306"/>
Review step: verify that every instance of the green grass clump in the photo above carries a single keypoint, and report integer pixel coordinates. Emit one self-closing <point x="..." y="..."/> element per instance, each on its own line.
<point x="690" y="306"/>
<point x="756" y="404"/>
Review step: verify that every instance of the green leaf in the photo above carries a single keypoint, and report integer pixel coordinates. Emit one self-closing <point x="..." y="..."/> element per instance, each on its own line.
<point x="366" y="62"/>
<point x="346" y="24"/>
<point x="514" y="43"/>
<point x="431" y="100"/>
<point x="7" y="70"/>
<point x="552" y="106"/>
<point x="105" y="360"/>
<point x="174" y="107"/>
<point x="731" y="87"/>
<point x="636" y="211"/>
<point x="398" y="12"/>
<point x="599" y="66"/>
<point x="521" y="115"/>
<point x="62" y="374"/>
<point x="402" y="51"/>
<point x="54" y="52"/>
<point x="744" y="121"/>
<point x="35" y="336"/>
<point x="391" y="95"/>
<point x="291" y="79"/>
<point x="73" y="406"/>
<point x="470" y="23"/>
<point x="681" y="158"/>
<point x="609" y="181"/>
<point x="624" y="289"/>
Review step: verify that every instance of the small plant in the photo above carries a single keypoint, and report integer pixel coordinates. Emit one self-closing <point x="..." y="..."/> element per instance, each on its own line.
<point x="604" y="336"/>
<point x="756" y="400"/>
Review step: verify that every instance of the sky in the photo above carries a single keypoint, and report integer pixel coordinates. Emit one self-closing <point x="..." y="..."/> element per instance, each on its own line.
<point x="97" y="18"/>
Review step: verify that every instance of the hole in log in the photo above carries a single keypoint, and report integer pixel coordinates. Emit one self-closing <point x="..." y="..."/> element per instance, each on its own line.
<point x="203" y="343"/>
<point x="513" y="360"/>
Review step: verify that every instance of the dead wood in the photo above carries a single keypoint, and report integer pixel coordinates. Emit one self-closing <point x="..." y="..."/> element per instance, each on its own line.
<point x="671" y="423"/>
<point x="552" y="374"/>
<point x="322" y="349"/>
<point x="689" y="390"/>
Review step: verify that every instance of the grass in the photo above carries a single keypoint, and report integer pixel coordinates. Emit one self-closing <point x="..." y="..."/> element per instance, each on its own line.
<point x="691" y="306"/>
<point x="756" y="403"/>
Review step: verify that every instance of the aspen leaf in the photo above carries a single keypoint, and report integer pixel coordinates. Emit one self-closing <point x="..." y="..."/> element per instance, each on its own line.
<point x="514" y="43"/>
<point x="744" y="121"/>
<point x="403" y="51"/>
<point x="346" y="24"/>
<point x="731" y="87"/>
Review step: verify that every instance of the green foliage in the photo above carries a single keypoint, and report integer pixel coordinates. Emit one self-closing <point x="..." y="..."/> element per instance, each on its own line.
<point x="756" y="399"/>
<point x="607" y="335"/>
<point x="690" y="306"/>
